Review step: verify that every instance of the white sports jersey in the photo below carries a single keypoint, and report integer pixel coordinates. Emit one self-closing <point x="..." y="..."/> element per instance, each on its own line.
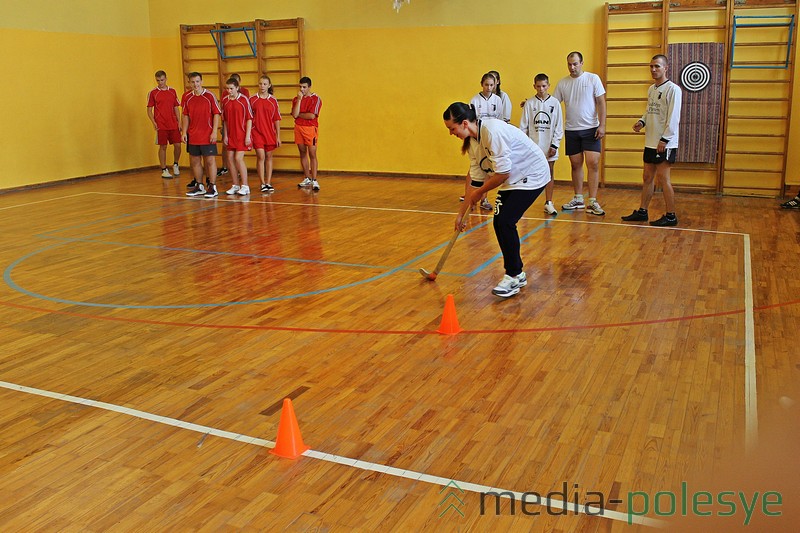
<point x="506" y="106"/>
<point x="662" y="115"/>
<point x="578" y="94"/>
<point x="541" y="121"/>
<point x="491" y="107"/>
<point x="508" y="150"/>
<point x="478" y="160"/>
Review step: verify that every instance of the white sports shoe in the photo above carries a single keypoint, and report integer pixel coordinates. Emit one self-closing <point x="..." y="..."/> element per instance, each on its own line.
<point x="233" y="190"/>
<point x="244" y="190"/>
<point x="573" y="204"/>
<point x="595" y="209"/>
<point x="549" y="209"/>
<point x="315" y="185"/>
<point x="522" y="279"/>
<point x="305" y="183"/>
<point x="176" y="169"/>
<point x="165" y="174"/>
<point x="508" y="286"/>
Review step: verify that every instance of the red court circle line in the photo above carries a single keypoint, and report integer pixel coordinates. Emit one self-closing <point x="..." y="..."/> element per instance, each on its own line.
<point x="395" y="332"/>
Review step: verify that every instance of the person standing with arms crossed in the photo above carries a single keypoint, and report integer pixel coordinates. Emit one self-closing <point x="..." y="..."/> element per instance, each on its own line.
<point x="585" y="100"/>
<point x="660" y="122"/>
<point x="305" y="110"/>
<point x="165" y="114"/>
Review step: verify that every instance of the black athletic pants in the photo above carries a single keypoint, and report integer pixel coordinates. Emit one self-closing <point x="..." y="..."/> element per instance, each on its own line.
<point x="509" y="208"/>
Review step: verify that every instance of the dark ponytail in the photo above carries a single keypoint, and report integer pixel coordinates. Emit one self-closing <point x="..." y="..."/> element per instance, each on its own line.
<point x="459" y="112"/>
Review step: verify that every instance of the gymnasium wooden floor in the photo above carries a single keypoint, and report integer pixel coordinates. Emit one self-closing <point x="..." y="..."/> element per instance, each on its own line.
<point x="149" y="340"/>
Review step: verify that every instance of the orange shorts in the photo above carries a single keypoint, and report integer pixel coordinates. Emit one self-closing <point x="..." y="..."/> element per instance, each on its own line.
<point x="305" y="135"/>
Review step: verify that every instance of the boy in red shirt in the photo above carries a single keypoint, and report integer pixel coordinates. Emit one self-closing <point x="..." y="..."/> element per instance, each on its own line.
<point x="305" y="110"/>
<point x="164" y="113"/>
<point x="201" y="113"/>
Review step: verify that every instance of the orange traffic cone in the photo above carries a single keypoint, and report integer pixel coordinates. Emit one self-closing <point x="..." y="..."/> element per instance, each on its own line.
<point x="449" y="319"/>
<point x="289" y="443"/>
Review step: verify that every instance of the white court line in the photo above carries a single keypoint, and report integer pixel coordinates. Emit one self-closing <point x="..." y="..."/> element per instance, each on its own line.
<point x="750" y="389"/>
<point x="420" y="211"/>
<point x="751" y="403"/>
<point x="47" y="200"/>
<point x="337" y="459"/>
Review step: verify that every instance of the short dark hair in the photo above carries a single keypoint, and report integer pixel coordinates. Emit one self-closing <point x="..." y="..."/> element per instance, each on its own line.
<point x="541" y="77"/>
<point x="662" y="57"/>
<point x="575" y="53"/>
<point x="305" y="79"/>
<point x="194" y="75"/>
<point x="160" y="74"/>
<point x="232" y="81"/>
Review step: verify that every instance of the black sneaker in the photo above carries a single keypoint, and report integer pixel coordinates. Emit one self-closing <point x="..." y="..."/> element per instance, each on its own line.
<point x="794" y="203"/>
<point x="638" y="215"/>
<point x="666" y="220"/>
<point x="211" y="192"/>
<point x="222" y="171"/>
<point x="192" y="184"/>
<point x="267" y="188"/>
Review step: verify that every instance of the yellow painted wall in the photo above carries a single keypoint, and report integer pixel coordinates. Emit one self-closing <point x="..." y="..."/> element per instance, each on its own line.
<point x="76" y="75"/>
<point x="385" y="77"/>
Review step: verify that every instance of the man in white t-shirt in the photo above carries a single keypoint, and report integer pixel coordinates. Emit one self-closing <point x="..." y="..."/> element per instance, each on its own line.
<point x="585" y="100"/>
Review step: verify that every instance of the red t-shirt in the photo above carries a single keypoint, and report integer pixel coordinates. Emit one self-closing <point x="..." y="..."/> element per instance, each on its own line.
<point x="265" y="113"/>
<point x="201" y="110"/>
<point x="164" y="102"/>
<point x="310" y="104"/>
<point x="236" y="113"/>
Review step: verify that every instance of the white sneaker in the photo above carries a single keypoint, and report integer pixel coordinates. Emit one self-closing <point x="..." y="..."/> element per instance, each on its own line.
<point x="549" y="209"/>
<point x="305" y="183"/>
<point x="573" y="204"/>
<point x="166" y="175"/>
<point x="595" y="209"/>
<point x="508" y="286"/>
<point x="233" y="190"/>
<point x="176" y="169"/>
<point x="244" y="190"/>
<point x="522" y="279"/>
<point x="315" y="185"/>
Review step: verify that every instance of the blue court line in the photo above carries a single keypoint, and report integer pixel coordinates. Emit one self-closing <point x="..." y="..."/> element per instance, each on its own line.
<point x="11" y="283"/>
<point x="215" y="252"/>
<point x="109" y="219"/>
<point x="522" y="239"/>
<point x="143" y="223"/>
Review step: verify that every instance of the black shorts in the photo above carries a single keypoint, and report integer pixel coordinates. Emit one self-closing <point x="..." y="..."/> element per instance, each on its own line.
<point x="656" y="158"/>
<point x="201" y="149"/>
<point x="579" y="141"/>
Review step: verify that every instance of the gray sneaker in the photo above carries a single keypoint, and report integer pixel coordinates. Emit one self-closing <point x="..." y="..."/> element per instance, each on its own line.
<point x="595" y="209"/>
<point x="573" y="204"/>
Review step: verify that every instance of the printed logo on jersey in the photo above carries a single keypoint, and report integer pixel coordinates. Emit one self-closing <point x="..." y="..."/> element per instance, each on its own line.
<point x="486" y="165"/>
<point x="541" y="119"/>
